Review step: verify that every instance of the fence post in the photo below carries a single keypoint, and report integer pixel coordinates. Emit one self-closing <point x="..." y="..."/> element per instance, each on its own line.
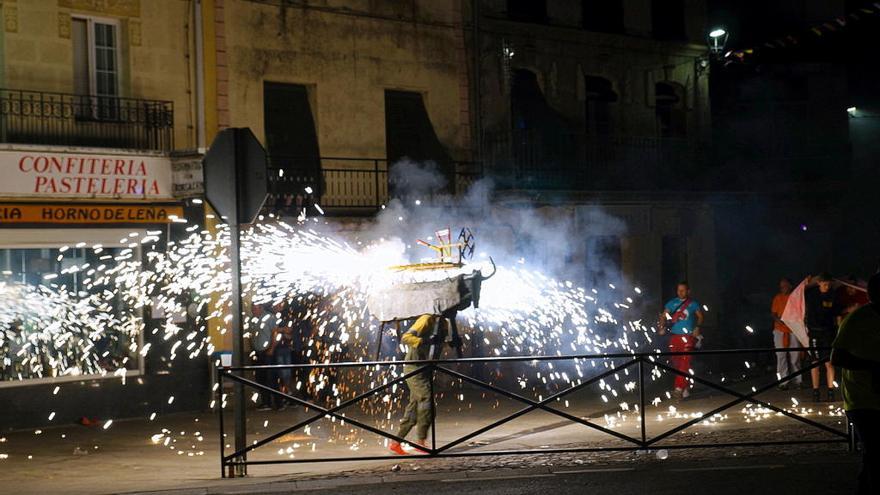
<point x="642" y="411"/>
<point x="433" y="412"/>
<point x="219" y="405"/>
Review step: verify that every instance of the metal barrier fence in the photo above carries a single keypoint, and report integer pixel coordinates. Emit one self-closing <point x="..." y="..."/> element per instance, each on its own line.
<point x="442" y="367"/>
<point x="42" y="117"/>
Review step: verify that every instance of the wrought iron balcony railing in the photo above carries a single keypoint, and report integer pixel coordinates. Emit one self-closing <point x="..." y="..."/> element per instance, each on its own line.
<point x="352" y="183"/>
<point x="533" y="159"/>
<point x="40" y="117"/>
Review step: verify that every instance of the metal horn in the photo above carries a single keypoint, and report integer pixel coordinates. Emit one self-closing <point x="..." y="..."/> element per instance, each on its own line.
<point x="494" y="270"/>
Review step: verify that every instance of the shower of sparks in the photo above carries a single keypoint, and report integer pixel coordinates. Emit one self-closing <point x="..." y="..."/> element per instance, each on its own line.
<point x="324" y="282"/>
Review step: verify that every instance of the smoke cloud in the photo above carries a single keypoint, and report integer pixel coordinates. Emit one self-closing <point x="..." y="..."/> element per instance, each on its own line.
<point x="511" y="229"/>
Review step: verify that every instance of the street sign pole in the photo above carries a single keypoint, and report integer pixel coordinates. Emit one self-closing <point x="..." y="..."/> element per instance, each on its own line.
<point x="236" y="186"/>
<point x="240" y="413"/>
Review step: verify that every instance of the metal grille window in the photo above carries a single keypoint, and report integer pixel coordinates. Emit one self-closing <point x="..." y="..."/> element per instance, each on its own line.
<point x="96" y="68"/>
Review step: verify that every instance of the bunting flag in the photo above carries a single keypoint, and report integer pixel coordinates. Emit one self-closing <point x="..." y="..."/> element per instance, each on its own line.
<point x="832" y="26"/>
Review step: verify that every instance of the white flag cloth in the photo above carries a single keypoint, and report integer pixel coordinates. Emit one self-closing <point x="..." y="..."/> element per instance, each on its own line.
<point x="793" y="315"/>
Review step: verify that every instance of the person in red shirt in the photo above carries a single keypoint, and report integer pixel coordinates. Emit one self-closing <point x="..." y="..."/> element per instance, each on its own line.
<point x="849" y="298"/>
<point x="786" y="362"/>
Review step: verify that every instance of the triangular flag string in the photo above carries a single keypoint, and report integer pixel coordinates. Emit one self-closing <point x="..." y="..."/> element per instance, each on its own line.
<point x="818" y="30"/>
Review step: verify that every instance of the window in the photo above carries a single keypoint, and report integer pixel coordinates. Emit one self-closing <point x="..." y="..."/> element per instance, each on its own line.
<point x="291" y="139"/>
<point x="667" y="20"/>
<point x="410" y="134"/>
<point x="598" y="96"/>
<point x="65" y="318"/>
<point x="604" y="259"/>
<point x="95" y="68"/>
<point x="603" y="15"/>
<point x="542" y="138"/>
<point x="670" y="110"/>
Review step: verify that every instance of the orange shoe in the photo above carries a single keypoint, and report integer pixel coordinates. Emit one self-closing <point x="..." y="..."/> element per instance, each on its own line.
<point x="397" y="448"/>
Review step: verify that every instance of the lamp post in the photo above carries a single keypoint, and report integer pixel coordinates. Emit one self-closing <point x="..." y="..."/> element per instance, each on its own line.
<point x="716" y="39"/>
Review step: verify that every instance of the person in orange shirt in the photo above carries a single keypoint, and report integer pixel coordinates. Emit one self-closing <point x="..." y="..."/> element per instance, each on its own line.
<point x="786" y="362"/>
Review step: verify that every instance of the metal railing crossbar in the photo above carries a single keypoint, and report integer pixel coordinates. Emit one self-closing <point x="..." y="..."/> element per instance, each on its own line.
<point x="574" y="450"/>
<point x="740" y="398"/>
<point x="533" y="405"/>
<point x="324" y="412"/>
<point x="514" y="359"/>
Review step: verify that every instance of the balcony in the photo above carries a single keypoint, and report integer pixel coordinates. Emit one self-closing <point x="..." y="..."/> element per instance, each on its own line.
<point x="344" y="185"/>
<point x="531" y="159"/>
<point x="61" y="119"/>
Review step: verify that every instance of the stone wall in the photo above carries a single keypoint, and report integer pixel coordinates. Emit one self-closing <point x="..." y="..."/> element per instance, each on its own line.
<point x="156" y="59"/>
<point x="348" y="55"/>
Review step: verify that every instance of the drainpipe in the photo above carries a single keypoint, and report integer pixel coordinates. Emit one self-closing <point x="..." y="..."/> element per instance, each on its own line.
<point x="478" y="108"/>
<point x="200" y="78"/>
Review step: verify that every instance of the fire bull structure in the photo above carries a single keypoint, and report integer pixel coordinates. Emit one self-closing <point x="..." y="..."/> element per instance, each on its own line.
<point x="432" y="289"/>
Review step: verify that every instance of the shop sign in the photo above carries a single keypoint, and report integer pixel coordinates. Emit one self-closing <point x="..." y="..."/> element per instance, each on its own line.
<point x="83" y="213"/>
<point x="84" y="175"/>
<point x="188" y="178"/>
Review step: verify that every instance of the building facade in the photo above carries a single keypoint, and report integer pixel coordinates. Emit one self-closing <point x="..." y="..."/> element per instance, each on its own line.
<point x="583" y="103"/>
<point x="603" y="106"/>
<point x="337" y="92"/>
<point x="593" y="95"/>
<point x="97" y="102"/>
<point x="583" y="111"/>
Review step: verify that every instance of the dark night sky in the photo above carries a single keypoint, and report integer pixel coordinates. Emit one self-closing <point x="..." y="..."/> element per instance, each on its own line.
<point x="753" y="22"/>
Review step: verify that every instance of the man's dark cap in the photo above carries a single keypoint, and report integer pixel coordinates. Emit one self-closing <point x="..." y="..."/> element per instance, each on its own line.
<point x="824" y="277"/>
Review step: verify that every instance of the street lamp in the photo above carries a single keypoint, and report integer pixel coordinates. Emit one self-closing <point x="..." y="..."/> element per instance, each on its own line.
<point x="716" y="40"/>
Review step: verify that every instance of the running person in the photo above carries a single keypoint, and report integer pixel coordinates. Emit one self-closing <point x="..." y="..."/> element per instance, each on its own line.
<point x="682" y="318"/>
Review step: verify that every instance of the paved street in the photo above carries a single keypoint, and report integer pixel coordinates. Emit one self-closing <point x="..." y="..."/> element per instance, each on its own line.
<point x="180" y="452"/>
<point x="752" y="475"/>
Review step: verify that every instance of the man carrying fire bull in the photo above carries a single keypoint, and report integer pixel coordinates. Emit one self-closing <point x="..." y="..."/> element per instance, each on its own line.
<point x="423" y="341"/>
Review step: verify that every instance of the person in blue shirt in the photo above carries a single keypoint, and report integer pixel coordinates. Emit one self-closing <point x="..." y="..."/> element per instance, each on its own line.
<point x="682" y="318"/>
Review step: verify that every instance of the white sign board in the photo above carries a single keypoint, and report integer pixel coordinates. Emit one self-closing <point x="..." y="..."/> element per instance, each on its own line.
<point x="189" y="181"/>
<point x="46" y="174"/>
